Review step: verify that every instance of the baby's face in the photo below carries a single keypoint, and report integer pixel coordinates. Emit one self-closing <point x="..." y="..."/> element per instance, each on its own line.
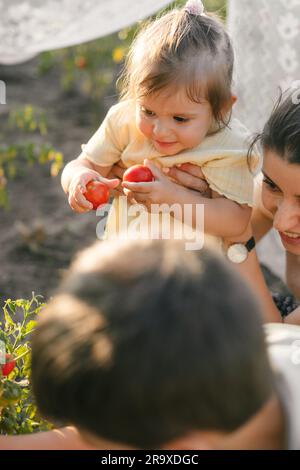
<point x="172" y="122"/>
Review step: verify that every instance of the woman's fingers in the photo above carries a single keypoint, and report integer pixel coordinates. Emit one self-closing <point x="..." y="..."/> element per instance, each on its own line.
<point x="117" y="170"/>
<point x="188" y="180"/>
<point x="193" y="170"/>
<point x="117" y="192"/>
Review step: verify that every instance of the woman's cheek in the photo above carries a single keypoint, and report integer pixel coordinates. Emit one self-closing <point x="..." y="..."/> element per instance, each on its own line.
<point x="268" y="200"/>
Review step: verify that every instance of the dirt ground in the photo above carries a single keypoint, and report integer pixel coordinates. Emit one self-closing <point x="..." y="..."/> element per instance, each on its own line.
<point x="39" y="234"/>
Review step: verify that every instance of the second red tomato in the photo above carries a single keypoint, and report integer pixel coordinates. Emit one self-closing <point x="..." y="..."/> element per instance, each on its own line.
<point x="138" y="174"/>
<point x="9" y="366"/>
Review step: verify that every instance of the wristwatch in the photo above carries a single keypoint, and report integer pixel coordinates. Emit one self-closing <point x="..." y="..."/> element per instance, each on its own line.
<point x="238" y="252"/>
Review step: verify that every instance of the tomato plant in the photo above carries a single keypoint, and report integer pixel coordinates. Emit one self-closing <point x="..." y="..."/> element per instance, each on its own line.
<point x="18" y="412"/>
<point x="9" y="365"/>
<point x="27" y="120"/>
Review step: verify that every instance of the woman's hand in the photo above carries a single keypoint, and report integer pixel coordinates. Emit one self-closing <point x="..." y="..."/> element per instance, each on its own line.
<point x="117" y="172"/>
<point x="190" y="176"/>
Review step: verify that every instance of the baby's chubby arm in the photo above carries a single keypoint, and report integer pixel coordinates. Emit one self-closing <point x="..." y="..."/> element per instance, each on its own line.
<point x="222" y="217"/>
<point x="75" y="177"/>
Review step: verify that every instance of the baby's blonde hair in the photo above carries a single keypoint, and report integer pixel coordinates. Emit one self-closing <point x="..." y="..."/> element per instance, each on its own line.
<point x="181" y="49"/>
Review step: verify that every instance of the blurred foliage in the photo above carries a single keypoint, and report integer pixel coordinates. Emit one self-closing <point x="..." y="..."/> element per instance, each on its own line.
<point x="217" y="6"/>
<point x="18" y="411"/>
<point x="92" y="68"/>
<point x="28" y="120"/>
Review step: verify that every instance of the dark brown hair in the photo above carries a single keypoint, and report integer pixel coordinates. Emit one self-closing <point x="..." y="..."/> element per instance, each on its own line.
<point x="281" y="133"/>
<point x="181" y="49"/>
<point x="147" y="342"/>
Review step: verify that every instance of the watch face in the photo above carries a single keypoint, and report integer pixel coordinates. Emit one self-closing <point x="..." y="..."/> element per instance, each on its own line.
<point x="237" y="253"/>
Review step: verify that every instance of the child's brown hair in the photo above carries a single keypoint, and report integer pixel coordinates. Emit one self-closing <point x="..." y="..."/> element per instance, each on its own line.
<point x="182" y="49"/>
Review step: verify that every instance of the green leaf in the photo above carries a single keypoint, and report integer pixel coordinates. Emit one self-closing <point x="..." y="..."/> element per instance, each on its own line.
<point x="20" y="349"/>
<point x="29" y="327"/>
<point x="8" y="318"/>
<point x="12" y="307"/>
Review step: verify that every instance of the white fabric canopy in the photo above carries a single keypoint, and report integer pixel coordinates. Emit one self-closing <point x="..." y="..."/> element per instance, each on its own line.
<point x="28" y="27"/>
<point x="266" y="37"/>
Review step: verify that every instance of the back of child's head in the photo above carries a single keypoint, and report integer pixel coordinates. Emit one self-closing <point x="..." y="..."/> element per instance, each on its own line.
<point x="182" y="49"/>
<point x="146" y="342"/>
<point x="281" y="133"/>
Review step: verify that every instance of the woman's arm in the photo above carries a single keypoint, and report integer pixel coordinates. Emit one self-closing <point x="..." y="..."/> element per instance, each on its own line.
<point x="261" y="223"/>
<point x="293" y="318"/>
<point x="293" y="273"/>
<point x="191" y="176"/>
<point x="222" y="217"/>
<point x="251" y="271"/>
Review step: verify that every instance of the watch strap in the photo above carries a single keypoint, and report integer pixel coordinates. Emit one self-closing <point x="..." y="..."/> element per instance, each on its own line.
<point x="250" y="244"/>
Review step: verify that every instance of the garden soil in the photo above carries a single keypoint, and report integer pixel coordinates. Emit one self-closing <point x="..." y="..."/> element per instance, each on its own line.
<point x="39" y="233"/>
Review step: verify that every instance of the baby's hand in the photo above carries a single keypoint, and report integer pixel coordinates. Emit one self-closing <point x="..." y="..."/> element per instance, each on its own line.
<point x="77" y="188"/>
<point x="159" y="191"/>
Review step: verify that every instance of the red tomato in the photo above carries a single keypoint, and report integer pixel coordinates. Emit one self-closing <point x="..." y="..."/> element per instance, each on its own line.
<point x="9" y="366"/>
<point x="138" y="174"/>
<point x="97" y="193"/>
<point x="81" y="62"/>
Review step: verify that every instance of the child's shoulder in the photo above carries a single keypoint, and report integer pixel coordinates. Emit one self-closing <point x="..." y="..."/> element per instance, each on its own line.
<point x="124" y="110"/>
<point x="237" y="129"/>
<point x="234" y="135"/>
<point x="120" y="122"/>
